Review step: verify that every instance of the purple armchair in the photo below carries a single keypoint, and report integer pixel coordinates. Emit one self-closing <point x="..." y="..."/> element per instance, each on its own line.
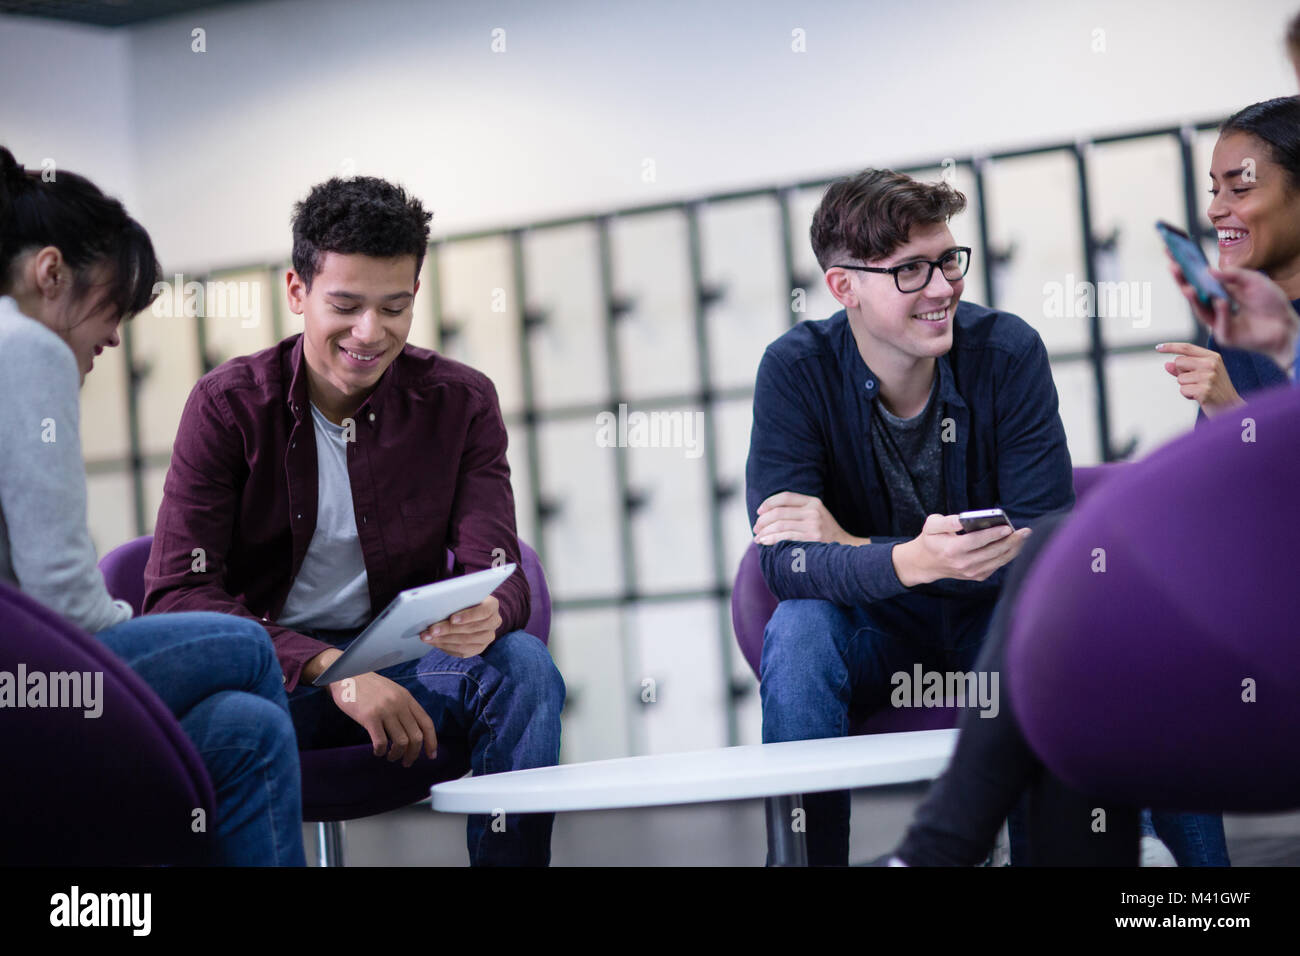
<point x="119" y="789"/>
<point x="1172" y="678"/>
<point x="345" y="783"/>
<point x="753" y="603"/>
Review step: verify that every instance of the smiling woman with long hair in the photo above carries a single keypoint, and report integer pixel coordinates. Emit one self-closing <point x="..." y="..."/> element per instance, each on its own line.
<point x="1255" y="208"/>
<point x="73" y="266"/>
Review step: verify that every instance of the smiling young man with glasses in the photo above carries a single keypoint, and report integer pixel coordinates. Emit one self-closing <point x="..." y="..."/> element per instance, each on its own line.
<point x="872" y="430"/>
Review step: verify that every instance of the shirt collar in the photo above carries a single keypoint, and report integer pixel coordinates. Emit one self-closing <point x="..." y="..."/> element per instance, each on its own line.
<point x="863" y="381"/>
<point x="299" y="402"/>
<point x="296" y="369"/>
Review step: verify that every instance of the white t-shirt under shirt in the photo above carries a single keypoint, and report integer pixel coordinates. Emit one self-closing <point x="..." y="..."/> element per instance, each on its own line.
<point x="332" y="590"/>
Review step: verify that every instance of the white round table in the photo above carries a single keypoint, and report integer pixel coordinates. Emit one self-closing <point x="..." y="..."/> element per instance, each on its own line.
<point x="781" y="773"/>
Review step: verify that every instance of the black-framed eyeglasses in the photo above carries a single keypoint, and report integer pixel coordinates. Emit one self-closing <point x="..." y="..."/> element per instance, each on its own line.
<point x="916" y="275"/>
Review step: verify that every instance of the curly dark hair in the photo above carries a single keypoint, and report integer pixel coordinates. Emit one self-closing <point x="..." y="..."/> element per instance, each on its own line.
<point x="361" y="215"/>
<point x="869" y="215"/>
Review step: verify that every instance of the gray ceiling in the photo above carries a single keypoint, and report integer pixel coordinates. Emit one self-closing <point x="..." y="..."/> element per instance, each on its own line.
<point x="107" y="13"/>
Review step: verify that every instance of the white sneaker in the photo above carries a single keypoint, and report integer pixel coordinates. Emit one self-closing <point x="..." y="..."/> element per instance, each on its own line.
<point x="1155" y="853"/>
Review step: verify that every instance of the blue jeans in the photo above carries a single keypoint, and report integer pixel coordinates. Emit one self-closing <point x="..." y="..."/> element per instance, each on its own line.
<point x="506" y="702"/>
<point x="823" y="663"/>
<point x="1195" y="839"/>
<point x="219" y="675"/>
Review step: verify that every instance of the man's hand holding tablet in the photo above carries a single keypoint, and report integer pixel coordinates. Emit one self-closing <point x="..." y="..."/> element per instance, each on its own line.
<point x="466" y="632"/>
<point x="398" y="726"/>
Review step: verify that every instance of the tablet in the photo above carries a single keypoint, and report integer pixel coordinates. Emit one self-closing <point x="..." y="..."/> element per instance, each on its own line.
<point x="394" y="636"/>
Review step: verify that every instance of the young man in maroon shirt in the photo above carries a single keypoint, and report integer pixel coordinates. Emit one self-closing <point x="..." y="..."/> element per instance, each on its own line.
<point x="313" y="481"/>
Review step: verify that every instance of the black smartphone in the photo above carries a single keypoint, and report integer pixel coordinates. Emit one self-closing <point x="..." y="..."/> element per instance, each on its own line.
<point x="1189" y="255"/>
<point x="979" y="520"/>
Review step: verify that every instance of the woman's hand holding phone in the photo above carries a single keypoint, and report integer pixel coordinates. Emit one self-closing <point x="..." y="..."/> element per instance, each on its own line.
<point x="1265" y="321"/>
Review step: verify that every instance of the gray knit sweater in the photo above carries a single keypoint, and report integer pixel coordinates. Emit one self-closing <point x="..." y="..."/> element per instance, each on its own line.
<point x="45" y="546"/>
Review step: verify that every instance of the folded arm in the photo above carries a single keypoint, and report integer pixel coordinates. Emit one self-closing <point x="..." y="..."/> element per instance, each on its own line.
<point x="787" y="453"/>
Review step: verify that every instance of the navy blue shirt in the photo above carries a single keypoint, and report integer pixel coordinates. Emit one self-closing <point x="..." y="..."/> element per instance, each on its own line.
<point x="813" y="403"/>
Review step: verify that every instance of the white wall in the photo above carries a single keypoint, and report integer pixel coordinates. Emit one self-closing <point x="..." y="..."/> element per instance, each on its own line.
<point x="587" y="90"/>
<point x="67" y="98"/>
<point x="211" y="149"/>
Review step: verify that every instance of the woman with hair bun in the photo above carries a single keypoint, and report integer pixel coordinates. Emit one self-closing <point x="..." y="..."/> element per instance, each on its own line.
<point x="1255" y="185"/>
<point x="73" y="266"/>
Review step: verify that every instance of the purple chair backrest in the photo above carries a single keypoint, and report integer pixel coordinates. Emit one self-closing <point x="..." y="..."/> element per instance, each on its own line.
<point x="123" y="570"/>
<point x="120" y="788"/>
<point x="1087" y="478"/>
<point x="753" y="603"/>
<point x="1172" y="678"/>
<point x="539" y="617"/>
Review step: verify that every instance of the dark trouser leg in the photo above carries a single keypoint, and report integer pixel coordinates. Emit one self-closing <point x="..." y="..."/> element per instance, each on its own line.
<point x="1068" y="828"/>
<point x="959" y="819"/>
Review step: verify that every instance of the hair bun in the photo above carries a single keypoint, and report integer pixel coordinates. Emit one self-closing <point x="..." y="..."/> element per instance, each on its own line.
<point x="11" y="171"/>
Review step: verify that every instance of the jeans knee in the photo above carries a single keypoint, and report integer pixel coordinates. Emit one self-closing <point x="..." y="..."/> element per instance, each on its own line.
<point x="273" y="728"/>
<point x="528" y="666"/>
<point x="250" y="639"/>
<point x="804" y="631"/>
<point x="238" y="733"/>
<point x="250" y="636"/>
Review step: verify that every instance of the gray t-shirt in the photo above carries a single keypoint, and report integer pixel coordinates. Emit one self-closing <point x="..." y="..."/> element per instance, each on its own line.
<point x="45" y="546"/>
<point x="332" y="589"/>
<point x="909" y="456"/>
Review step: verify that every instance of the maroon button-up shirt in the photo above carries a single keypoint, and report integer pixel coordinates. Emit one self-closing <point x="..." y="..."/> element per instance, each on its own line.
<point x="428" y="472"/>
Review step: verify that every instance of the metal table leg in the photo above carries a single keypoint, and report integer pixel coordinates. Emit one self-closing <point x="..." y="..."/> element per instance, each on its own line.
<point x="330" y="844"/>
<point x="786" y="845"/>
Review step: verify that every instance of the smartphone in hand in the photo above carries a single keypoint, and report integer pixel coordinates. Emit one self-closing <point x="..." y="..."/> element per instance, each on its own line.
<point x="1189" y="255"/>
<point x="979" y="520"/>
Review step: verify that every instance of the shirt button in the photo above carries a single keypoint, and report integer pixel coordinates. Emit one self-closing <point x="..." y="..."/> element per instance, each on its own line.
<point x="299" y="517"/>
<point x="871" y="383"/>
<point x="293" y="444"/>
<point x="372" y="416"/>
